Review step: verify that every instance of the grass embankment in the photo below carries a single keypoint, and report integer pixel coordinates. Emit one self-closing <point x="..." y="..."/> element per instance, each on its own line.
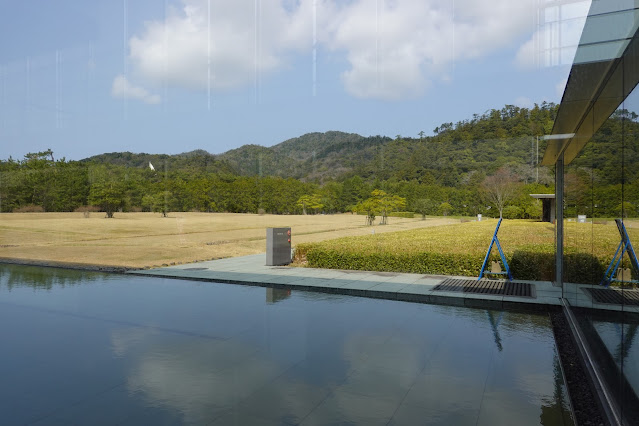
<point x="460" y="249"/>
<point x="139" y="240"/>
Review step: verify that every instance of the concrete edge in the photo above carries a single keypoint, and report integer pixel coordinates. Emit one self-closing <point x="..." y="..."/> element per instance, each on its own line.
<point x="403" y="296"/>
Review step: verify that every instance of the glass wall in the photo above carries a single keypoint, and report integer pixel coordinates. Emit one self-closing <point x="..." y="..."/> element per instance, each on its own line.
<point x="601" y="212"/>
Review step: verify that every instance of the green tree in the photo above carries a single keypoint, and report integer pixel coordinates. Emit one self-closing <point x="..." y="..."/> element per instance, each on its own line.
<point x="625" y="210"/>
<point x="388" y="204"/>
<point x="108" y="189"/>
<point x="148" y="203"/>
<point x="164" y="202"/>
<point x="331" y="197"/>
<point x="310" y="202"/>
<point x="424" y="206"/>
<point x="370" y="208"/>
<point x="108" y="195"/>
<point x="38" y="179"/>
<point x="380" y="203"/>
<point x="445" y="208"/>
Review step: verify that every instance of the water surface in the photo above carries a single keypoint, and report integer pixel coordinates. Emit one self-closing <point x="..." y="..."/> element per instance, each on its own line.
<point x="90" y="348"/>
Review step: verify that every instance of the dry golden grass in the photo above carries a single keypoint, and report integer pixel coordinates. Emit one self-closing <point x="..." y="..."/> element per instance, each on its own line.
<point x="139" y="240"/>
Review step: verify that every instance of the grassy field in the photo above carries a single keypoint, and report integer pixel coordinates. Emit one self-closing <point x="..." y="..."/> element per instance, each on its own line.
<point x="459" y="249"/>
<point x="139" y="240"/>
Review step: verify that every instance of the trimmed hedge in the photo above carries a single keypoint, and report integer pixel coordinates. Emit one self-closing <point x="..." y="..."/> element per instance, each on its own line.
<point x="421" y="263"/>
<point x="526" y="264"/>
<point x="459" y="249"/>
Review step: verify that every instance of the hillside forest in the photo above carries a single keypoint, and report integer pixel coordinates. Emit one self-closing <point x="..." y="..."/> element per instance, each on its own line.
<point x="484" y="165"/>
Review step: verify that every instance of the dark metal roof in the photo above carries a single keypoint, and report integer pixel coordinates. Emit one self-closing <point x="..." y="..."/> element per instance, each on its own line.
<point x="539" y="196"/>
<point x="597" y="83"/>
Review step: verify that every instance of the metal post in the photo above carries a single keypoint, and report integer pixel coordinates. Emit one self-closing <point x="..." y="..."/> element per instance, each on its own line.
<point x="559" y="218"/>
<point x="537" y="159"/>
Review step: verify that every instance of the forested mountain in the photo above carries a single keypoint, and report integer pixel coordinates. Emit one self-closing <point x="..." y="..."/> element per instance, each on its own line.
<point x="330" y="172"/>
<point x="313" y="156"/>
<point x="198" y="159"/>
<point x="483" y="143"/>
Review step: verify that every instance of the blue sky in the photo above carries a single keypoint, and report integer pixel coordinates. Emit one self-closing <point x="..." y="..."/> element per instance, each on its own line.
<point x="83" y="78"/>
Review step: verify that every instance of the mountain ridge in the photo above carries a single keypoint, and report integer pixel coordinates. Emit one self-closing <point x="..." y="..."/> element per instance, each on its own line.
<point x="451" y="155"/>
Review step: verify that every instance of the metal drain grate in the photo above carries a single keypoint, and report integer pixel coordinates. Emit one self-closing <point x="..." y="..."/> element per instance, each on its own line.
<point x="502" y="288"/>
<point x="614" y="297"/>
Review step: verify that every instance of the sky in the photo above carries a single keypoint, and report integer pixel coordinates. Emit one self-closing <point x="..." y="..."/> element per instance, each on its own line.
<point x="170" y="76"/>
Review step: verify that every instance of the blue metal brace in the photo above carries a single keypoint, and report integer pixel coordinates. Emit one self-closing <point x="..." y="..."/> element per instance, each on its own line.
<point x="495" y="240"/>
<point x="624" y="246"/>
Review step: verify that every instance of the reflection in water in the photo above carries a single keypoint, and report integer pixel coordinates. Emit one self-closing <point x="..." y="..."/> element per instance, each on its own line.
<point x="494" y="324"/>
<point x="195" y="376"/>
<point x="618" y="338"/>
<point x="161" y="351"/>
<point x="12" y="276"/>
<point x="274" y="295"/>
<point x="613" y="342"/>
<point x="625" y="344"/>
<point x="556" y="410"/>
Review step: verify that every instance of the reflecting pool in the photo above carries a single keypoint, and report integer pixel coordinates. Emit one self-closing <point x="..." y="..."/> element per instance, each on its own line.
<point x="612" y="337"/>
<point x="90" y="348"/>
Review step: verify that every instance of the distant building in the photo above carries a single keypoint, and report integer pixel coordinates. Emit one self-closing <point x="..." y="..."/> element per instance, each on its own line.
<point x="547" y="206"/>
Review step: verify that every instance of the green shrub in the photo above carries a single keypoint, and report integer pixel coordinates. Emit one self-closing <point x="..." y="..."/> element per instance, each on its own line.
<point x="539" y="265"/>
<point x="584" y="268"/>
<point x="408" y="215"/>
<point x="513" y="212"/>
<point x="524" y="264"/>
<point x="533" y="211"/>
<point x="419" y="263"/>
<point x="533" y="264"/>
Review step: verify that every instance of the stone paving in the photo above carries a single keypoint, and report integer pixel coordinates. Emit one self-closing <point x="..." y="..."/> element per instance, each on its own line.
<point x="251" y="270"/>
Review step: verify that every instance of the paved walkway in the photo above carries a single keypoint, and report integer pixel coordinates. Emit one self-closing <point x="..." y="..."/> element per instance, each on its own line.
<point x="251" y="270"/>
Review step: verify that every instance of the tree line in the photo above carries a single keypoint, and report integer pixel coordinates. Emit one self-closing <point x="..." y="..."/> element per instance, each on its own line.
<point x="486" y="165"/>
<point x="40" y="183"/>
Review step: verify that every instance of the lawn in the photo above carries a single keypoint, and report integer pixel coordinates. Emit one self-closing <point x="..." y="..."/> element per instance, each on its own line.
<point x="139" y="240"/>
<point x="435" y="246"/>
<point x="459" y="249"/>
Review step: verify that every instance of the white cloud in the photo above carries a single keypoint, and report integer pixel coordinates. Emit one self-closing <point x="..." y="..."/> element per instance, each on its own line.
<point x="122" y="88"/>
<point x="184" y="50"/>
<point x="394" y="48"/>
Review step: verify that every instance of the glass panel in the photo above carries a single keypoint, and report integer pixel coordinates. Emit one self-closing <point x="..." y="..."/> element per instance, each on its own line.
<point x="600" y="52"/>
<point x="601" y="271"/>
<point x="606" y="6"/>
<point x="610" y="27"/>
